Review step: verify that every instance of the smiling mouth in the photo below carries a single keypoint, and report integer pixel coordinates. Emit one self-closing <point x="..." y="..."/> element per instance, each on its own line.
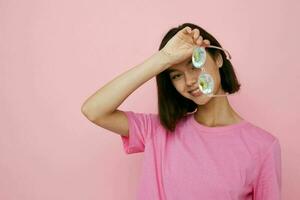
<point x="195" y="92"/>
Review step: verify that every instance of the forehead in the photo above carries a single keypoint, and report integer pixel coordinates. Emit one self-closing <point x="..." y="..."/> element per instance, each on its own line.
<point x="180" y="66"/>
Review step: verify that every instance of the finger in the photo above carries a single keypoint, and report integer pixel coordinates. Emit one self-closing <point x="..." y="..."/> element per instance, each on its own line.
<point x="206" y="42"/>
<point x="187" y="30"/>
<point x="199" y="40"/>
<point x="196" y="34"/>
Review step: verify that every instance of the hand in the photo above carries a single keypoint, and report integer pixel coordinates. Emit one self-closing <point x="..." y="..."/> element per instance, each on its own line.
<point x="181" y="46"/>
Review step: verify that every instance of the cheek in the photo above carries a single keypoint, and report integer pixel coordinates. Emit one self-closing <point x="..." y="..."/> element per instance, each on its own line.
<point x="215" y="75"/>
<point x="178" y="86"/>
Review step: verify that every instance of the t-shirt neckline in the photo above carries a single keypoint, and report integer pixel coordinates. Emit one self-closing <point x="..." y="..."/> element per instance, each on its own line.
<point x="217" y="129"/>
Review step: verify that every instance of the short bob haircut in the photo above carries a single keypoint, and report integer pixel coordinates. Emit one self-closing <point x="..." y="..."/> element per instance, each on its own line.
<point x="172" y="106"/>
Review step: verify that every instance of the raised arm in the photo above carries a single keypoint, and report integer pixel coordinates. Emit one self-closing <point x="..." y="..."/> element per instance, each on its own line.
<point x="101" y="107"/>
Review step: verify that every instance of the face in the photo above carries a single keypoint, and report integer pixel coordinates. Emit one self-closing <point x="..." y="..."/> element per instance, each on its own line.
<point x="185" y="78"/>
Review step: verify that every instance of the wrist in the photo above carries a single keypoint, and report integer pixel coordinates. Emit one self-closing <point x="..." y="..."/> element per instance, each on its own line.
<point x="164" y="57"/>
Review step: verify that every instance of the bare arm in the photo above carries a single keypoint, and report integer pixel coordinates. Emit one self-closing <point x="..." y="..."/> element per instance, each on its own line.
<point x="101" y="107"/>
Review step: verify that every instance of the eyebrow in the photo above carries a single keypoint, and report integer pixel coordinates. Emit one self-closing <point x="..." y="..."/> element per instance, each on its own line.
<point x="174" y="70"/>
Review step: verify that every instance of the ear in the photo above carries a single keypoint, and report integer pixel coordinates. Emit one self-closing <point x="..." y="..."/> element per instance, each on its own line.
<point x="219" y="60"/>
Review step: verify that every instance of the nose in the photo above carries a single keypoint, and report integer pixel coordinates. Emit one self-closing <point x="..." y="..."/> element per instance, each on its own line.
<point x="191" y="79"/>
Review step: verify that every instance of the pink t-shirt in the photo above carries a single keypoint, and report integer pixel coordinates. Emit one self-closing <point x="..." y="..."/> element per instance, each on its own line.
<point x="234" y="162"/>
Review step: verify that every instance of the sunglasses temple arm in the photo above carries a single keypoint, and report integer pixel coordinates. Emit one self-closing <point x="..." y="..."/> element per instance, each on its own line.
<point x="218" y="95"/>
<point x="227" y="53"/>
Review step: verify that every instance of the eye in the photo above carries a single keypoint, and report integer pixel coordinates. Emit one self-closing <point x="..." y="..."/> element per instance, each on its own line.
<point x="175" y="76"/>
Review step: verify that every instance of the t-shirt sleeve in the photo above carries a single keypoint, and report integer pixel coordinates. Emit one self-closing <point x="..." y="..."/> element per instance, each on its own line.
<point x="268" y="183"/>
<point x="141" y="128"/>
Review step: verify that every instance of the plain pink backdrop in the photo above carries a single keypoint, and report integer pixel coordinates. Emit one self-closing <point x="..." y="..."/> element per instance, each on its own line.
<point x="55" y="54"/>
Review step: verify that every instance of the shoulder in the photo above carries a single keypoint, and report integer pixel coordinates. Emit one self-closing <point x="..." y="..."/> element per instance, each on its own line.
<point x="260" y="134"/>
<point x="145" y="120"/>
<point x="141" y="115"/>
<point x="258" y="139"/>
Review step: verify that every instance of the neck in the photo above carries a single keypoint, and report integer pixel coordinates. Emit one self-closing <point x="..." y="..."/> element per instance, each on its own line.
<point x="217" y="112"/>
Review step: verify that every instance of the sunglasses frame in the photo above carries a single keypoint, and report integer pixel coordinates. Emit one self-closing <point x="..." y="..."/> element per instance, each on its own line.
<point x="228" y="56"/>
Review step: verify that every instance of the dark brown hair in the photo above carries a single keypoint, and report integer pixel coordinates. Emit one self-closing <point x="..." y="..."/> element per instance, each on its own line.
<point x="172" y="106"/>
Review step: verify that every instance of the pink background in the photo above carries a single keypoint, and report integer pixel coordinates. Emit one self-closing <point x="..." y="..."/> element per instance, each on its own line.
<point x="54" y="54"/>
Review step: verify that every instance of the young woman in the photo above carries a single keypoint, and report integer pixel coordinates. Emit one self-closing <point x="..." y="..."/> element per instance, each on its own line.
<point x="197" y="146"/>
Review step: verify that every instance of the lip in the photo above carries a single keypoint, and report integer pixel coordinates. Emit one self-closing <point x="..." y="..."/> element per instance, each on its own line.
<point x="197" y="94"/>
<point x="193" y="89"/>
<point x="189" y="91"/>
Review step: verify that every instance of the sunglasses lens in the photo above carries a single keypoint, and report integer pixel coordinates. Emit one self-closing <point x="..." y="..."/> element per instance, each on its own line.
<point x="206" y="83"/>
<point x="199" y="56"/>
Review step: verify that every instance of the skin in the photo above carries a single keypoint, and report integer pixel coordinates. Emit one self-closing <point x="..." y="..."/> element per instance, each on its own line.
<point x="212" y="111"/>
